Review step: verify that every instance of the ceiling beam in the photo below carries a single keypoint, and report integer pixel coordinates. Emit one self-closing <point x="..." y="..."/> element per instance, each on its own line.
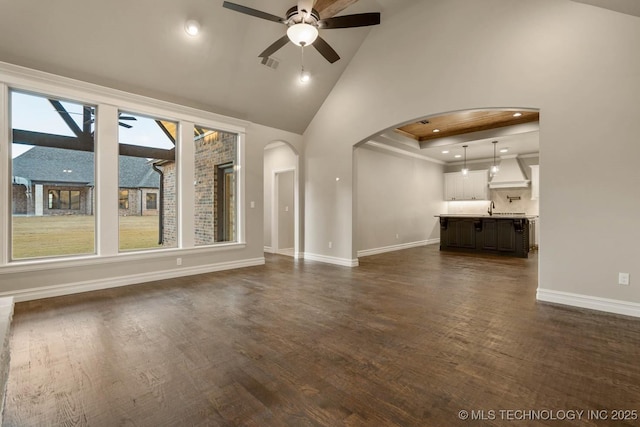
<point x="53" y="141"/>
<point x="330" y="8"/>
<point x="64" y="114"/>
<point x="146" y="152"/>
<point x="86" y="144"/>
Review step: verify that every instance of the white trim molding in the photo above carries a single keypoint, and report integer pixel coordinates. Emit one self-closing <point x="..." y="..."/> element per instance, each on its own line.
<point x="287" y="252"/>
<point x="344" y="262"/>
<point x="114" y="282"/>
<point x="392" y="248"/>
<point x="586" y="301"/>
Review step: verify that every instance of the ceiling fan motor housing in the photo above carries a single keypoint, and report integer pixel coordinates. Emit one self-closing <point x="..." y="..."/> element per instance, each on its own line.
<point x="293" y="17"/>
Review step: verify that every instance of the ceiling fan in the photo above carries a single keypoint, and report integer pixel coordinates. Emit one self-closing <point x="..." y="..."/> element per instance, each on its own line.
<point x="303" y="23"/>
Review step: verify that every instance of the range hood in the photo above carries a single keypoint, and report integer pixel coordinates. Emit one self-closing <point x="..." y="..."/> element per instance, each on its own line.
<point x="510" y="174"/>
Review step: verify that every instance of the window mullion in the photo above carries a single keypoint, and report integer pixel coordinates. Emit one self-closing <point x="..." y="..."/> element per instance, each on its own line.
<point x="106" y="179"/>
<point x="5" y="175"/>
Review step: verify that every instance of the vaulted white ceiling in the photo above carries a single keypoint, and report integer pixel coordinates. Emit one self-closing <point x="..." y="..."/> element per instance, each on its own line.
<point x="141" y="46"/>
<point x="630" y="7"/>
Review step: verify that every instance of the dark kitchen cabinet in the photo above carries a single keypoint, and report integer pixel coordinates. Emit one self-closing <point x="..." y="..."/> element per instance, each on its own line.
<point x="461" y="234"/>
<point x="498" y="235"/>
<point x="506" y="236"/>
<point x="502" y="235"/>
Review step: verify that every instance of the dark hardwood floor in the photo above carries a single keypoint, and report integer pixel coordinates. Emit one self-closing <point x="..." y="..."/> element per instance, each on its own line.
<point x="409" y="338"/>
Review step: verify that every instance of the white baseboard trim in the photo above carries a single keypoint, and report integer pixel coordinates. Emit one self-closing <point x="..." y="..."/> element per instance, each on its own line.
<point x="114" y="282"/>
<point x="268" y="249"/>
<point x="344" y="262"/>
<point x="586" y="301"/>
<point x="288" y="252"/>
<point x="392" y="248"/>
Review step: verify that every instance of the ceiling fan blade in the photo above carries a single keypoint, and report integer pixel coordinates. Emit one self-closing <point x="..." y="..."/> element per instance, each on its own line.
<point x="350" y="21"/>
<point x="330" y="8"/>
<point x="252" y="12"/>
<point x="127" y="118"/>
<point x="325" y="50"/>
<point x="275" y="47"/>
<point x="124" y="125"/>
<point x="306" y="5"/>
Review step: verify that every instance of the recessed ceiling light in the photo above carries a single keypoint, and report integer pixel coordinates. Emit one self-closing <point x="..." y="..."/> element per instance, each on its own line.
<point x="457" y="156"/>
<point x="436" y="130"/>
<point x="445" y="152"/>
<point x="504" y="150"/>
<point x="192" y="27"/>
<point x="517" y="114"/>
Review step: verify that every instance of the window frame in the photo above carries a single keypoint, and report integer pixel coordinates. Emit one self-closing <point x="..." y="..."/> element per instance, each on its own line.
<point x="107" y="102"/>
<point x="59" y="199"/>
<point x="153" y="199"/>
<point x="6" y="190"/>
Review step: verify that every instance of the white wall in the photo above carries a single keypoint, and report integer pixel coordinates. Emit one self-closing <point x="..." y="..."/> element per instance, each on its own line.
<point x="397" y="195"/>
<point x="278" y="156"/>
<point x="578" y="64"/>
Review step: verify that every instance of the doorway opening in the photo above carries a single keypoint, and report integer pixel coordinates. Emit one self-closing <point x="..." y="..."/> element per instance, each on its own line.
<point x="281" y="200"/>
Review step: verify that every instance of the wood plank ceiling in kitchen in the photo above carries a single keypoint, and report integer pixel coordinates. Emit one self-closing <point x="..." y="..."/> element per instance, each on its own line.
<point x="465" y="122"/>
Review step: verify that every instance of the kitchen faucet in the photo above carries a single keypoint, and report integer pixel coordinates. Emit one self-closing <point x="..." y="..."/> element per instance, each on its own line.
<point x="492" y="206"/>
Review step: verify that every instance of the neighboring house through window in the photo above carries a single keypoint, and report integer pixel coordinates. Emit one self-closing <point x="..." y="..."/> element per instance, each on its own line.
<point x="152" y="201"/>
<point x="64" y="199"/>
<point x="123" y="200"/>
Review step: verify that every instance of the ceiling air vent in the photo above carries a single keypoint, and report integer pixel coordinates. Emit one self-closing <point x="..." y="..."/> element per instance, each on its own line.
<point x="270" y="62"/>
<point x="424" y="122"/>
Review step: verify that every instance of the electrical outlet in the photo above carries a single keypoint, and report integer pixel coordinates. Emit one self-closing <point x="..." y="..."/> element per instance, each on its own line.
<point x="178" y="261"/>
<point x="623" y="279"/>
<point x="330" y="245"/>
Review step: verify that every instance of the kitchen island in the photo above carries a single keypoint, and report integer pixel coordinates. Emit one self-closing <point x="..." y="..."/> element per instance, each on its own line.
<point x="501" y="234"/>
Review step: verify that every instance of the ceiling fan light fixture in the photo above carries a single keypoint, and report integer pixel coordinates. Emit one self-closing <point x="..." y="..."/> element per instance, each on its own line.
<point x="302" y="34"/>
<point x="192" y="27"/>
<point x="305" y="76"/>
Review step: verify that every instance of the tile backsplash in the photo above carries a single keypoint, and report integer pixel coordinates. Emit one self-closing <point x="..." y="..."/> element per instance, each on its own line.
<point x="501" y="199"/>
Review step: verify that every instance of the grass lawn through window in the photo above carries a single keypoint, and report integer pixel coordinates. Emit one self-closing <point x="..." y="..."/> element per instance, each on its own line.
<point x="46" y="236"/>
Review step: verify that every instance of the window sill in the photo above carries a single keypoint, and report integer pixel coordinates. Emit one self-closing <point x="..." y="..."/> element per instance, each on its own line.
<point x="40" y="264"/>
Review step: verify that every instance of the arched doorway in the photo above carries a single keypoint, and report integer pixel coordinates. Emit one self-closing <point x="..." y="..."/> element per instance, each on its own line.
<point x="400" y="175"/>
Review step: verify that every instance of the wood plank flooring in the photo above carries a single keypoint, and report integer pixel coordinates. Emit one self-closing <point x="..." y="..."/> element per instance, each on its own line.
<point x="409" y="338"/>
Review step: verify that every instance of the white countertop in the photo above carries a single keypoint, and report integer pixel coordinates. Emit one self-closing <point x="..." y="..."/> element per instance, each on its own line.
<point x="494" y="216"/>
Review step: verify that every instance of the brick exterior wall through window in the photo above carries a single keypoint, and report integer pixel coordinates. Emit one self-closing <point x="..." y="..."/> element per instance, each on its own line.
<point x="214" y="150"/>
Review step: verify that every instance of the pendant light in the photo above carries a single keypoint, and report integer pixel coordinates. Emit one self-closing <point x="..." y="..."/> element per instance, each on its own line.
<point x="465" y="170"/>
<point x="305" y="76"/>
<point x="494" y="169"/>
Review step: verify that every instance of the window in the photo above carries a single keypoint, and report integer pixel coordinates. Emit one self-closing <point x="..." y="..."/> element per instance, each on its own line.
<point x="56" y="185"/>
<point x="216" y="186"/>
<point x="64" y="199"/>
<point x="52" y="177"/>
<point x="152" y="201"/>
<point x="147" y="175"/>
<point x="123" y="199"/>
